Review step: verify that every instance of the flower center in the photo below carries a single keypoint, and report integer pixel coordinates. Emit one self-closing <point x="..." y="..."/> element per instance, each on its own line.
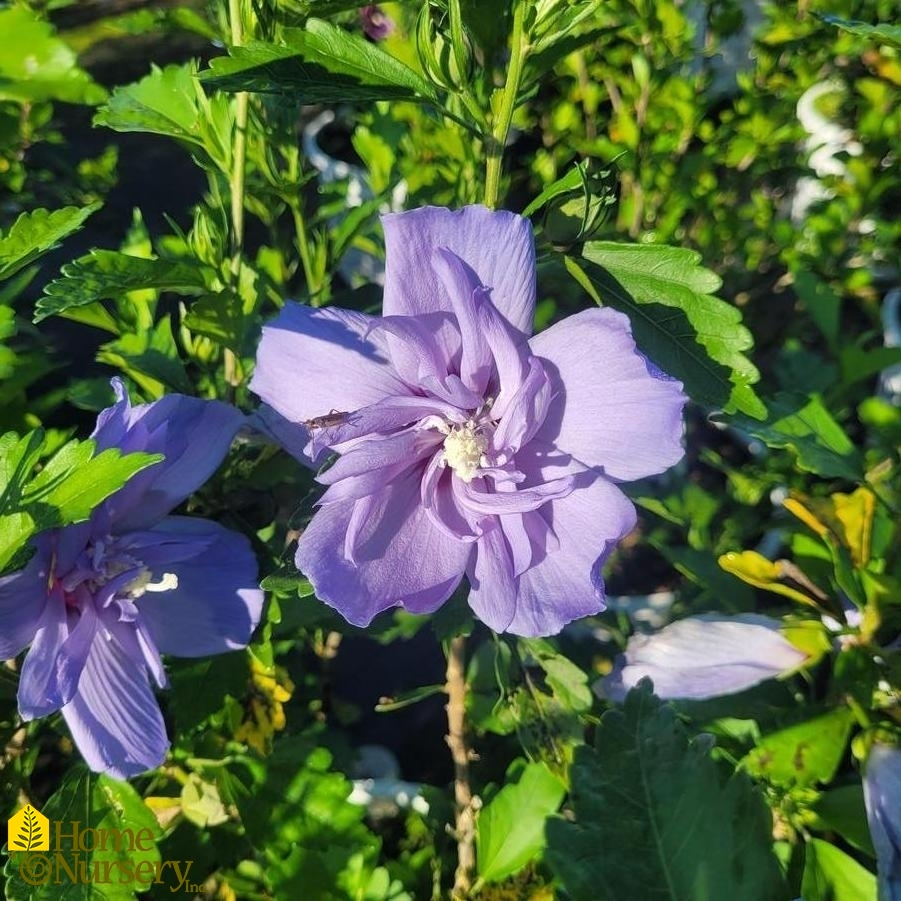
<point x="464" y="450"/>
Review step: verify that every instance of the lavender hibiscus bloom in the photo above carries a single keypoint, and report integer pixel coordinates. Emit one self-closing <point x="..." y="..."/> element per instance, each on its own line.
<point x="882" y="796"/>
<point x="100" y="601"/>
<point x="465" y="446"/>
<point x="704" y="657"/>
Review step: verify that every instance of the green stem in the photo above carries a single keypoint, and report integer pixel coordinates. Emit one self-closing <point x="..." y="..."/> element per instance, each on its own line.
<point x="236" y="183"/>
<point x="505" y="114"/>
<point x="303" y="248"/>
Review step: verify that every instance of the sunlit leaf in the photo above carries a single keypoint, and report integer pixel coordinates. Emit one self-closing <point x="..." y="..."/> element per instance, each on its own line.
<point x="849" y="517"/>
<point x="107" y="274"/>
<point x="36" y="65"/>
<point x="510" y="830"/>
<point x="36" y="232"/>
<point x="172" y="102"/>
<point x="318" y="64"/>
<point x="70" y="485"/>
<point x="677" y="321"/>
<point x="755" y="569"/>
<point x="804" y="754"/>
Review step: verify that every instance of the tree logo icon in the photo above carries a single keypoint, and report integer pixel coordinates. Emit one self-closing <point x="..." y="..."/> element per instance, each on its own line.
<point x="28" y="830"/>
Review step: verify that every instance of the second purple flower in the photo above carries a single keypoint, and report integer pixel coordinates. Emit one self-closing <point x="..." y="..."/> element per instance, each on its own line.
<point x="465" y="445"/>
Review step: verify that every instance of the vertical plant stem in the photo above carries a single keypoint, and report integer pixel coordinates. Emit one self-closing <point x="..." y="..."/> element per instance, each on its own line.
<point x="501" y="124"/>
<point x="236" y="182"/>
<point x="464" y="825"/>
<point x="314" y="284"/>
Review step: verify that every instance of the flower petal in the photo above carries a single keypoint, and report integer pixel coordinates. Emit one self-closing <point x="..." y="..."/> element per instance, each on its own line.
<point x="704" y="656"/>
<point x="415" y="348"/>
<point x="114" y="718"/>
<point x="40" y="692"/>
<point x="402" y="558"/>
<point x="23" y="597"/>
<point x="194" y="435"/>
<point x="497" y="246"/>
<point x="463" y="289"/>
<point x="493" y="595"/>
<point x="611" y="407"/>
<point x="369" y="465"/>
<point x="564" y="581"/>
<point x="311" y="363"/>
<point x="882" y="798"/>
<point x="217" y="601"/>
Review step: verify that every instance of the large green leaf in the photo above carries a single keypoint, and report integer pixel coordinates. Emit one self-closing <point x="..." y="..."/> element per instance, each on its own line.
<point x="510" y="831"/>
<point x="319" y="64"/>
<point x="36" y="232"/>
<point x="654" y="817"/>
<point x="36" y="65"/>
<point x="803" y="424"/>
<point x="676" y="319"/>
<point x="107" y="274"/>
<point x="119" y="868"/>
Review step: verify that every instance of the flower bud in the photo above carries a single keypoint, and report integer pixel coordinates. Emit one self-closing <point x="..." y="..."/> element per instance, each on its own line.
<point x="437" y="54"/>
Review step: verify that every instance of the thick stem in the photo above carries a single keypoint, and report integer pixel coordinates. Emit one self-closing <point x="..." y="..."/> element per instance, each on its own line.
<point x="501" y="125"/>
<point x="236" y="182"/>
<point x="464" y="826"/>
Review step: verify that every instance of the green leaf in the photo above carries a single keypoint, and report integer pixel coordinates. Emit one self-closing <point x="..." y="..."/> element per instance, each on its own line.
<point x="842" y="810"/>
<point x="804" y="754"/>
<point x="319" y="64"/>
<point x="36" y="232"/>
<point x="822" y="304"/>
<point x="510" y="830"/>
<point x="107" y="274"/>
<point x="220" y="317"/>
<point x="567" y="681"/>
<point x="803" y="424"/>
<point x="71" y="484"/>
<point x="654" y="817"/>
<point x="305" y="831"/>
<point x="858" y="363"/>
<point x="882" y="34"/>
<point x="678" y="322"/>
<point x="150" y="358"/>
<point x="94" y="802"/>
<point x="35" y="65"/>
<point x="172" y="102"/>
<point x="831" y="875"/>
<point x="7" y="330"/>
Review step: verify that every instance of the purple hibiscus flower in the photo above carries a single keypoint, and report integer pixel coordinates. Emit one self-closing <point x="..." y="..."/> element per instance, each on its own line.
<point x="100" y="601"/>
<point x="465" y="445"/>
<point x="882" y="796"/>
<point x="704" y="657"/>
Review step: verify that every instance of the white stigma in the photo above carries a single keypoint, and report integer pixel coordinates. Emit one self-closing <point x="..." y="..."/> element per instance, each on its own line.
<point x="143" y="582"/>
<point x="464" y="451"/>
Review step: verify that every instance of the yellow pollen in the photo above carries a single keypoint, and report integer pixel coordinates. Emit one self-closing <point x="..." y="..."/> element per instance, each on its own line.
<point x="464" y="451"/>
